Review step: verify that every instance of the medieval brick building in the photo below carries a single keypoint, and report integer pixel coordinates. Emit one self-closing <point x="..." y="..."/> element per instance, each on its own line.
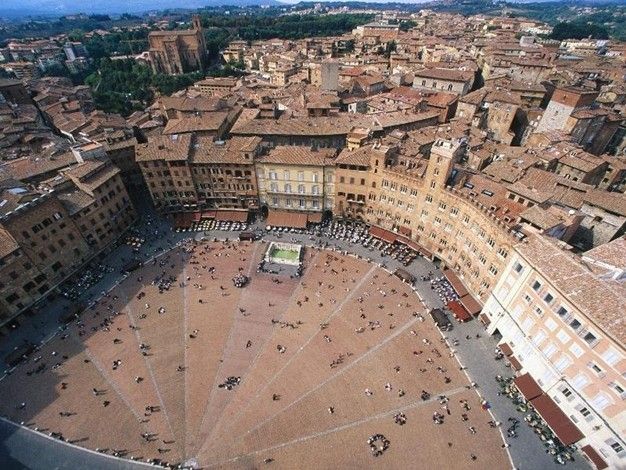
<point x="175" y="52"/>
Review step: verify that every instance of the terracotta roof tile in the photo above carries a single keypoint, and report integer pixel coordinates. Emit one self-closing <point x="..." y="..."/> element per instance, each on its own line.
<point x="600" y="300"/>
<point x="164" y="147"/>
<point x="291" y="155"/>
<point x="206" y="122"/>
<point x="359" y="157"/>
<point x="446" y="74"/>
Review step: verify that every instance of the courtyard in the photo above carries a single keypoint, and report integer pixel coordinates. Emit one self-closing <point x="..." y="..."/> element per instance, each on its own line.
<point x="315" y="366"/>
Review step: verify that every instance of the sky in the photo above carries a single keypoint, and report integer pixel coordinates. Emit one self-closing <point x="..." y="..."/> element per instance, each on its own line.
<point x="46" y="7"/>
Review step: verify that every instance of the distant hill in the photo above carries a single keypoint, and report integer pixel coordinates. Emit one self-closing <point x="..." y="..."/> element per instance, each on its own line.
<point x="20" y="8"/>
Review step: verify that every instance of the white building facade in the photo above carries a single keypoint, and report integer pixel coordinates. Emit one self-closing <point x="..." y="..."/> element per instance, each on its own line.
<point x="541" y="308"/>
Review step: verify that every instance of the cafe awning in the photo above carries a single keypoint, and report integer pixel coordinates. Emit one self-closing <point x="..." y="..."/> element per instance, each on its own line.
<point x="459" y="311"/>
<point x="208" y="215"/>
<point x="506" y="349"/>
<point x="424" y="252"/>
<point x="527" y="386"/>
<point x="515" y="364"/>
<point x="484" y="319"/>
<point x="410" y="243"/>
<point x="471" y="304"/>
<point x="315" y="217"/>
<point x="226" y="215"/>
<point x="561" y="425"/>
<point x="183" y="219"/>
<point x="595" y="458"/>
<point x="456" y="283"/>
<point x="384" y="235"/>
<point x="287" y="219"/>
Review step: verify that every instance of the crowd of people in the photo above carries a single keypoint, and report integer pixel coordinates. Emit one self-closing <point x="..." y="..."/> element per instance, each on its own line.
<point x="230" y="383"/>
<point x="75" y="287"/>
<point x="378" y="444"/>
<point x="240" y="280"/>
<point x="444" y="289"/>
<point x="359" y="234"/>
<point x="561" y="453"/>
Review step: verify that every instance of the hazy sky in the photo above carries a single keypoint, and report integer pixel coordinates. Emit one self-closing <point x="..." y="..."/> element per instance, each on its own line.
<point x="17" y="8"/>
<point x="99" y="6"/>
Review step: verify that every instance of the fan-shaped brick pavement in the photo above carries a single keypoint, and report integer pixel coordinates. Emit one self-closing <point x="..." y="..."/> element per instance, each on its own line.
<point x="325" y="362"/>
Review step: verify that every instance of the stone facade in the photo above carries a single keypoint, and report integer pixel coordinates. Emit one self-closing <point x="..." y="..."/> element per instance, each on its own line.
<point x="302" y="181"/>
<point x="563" y="102"/>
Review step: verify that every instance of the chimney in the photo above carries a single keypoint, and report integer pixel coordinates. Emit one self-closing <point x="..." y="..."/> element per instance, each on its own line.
<point x="77" y="155"/>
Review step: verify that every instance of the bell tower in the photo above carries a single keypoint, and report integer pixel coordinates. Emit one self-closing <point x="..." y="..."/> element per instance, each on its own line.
<point x="441" y="162"/>
<point x="202" y="50"/>
<point x="197" y="24"/>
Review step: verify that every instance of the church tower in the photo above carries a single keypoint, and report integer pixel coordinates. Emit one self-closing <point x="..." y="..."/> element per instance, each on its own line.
<point x="202" y="51"/>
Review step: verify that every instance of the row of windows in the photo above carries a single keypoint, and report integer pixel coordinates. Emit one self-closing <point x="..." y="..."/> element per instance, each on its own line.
<point x="301" y="188"/>
<point x="351" y="180"/>
<point x="173" y="194"/>
<point x="357" y="197"/>
<point x="562" y="311"/>
<point x="30" y="284"/>
<point x="43" y="224"/>
<point x="300" y="203"/>
<point x="393" y="186"/>
<point x="434" y="85"/>
<point x="220" y="171"/>
<point x="273" y="175"/>
<point x="448" y="228"/>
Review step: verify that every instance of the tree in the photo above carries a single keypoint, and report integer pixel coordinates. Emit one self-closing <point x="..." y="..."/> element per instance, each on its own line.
<point x="56" y="70"/>
<point x="405" y="25"/>
<point x="121" y="86"/>
<point x="578" y="30"/>
<point x="76" y="35"/>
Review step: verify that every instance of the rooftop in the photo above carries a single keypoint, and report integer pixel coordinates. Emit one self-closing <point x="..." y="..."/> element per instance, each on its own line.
<point x="7" y="243"/>
<point x="446" y="74"/>
<point x="233" y="151"/>
<point x="206" y="122"/>
<point x="164" y="147"/>
<point x="290" y="155"/>
<point x="338" y="125"/>
<point x="601" y="301"/>
<point x="360" y="156"/>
